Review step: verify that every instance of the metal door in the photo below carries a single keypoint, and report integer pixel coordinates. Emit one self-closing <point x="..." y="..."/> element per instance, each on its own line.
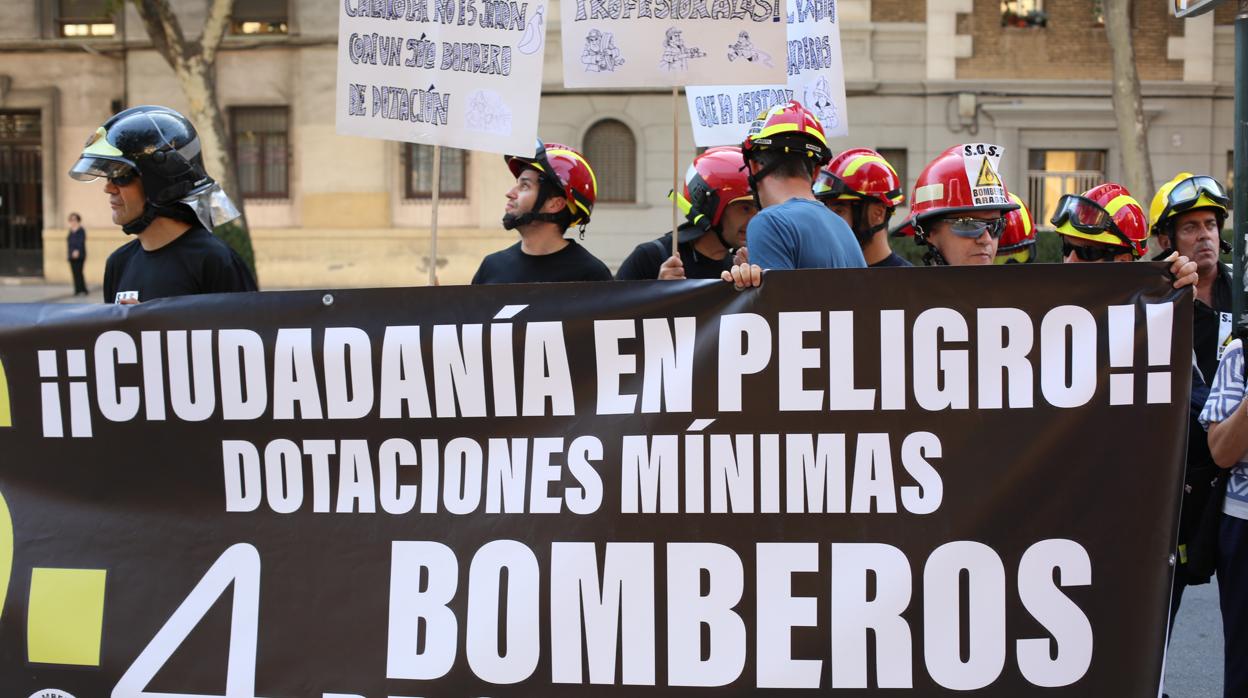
<point x="21" y="194"/>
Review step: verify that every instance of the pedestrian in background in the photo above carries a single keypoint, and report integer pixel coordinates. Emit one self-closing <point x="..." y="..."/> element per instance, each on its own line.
<point x="77" y="252"/>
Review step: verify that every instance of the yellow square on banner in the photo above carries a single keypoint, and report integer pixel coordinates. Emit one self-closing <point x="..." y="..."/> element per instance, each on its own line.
<point x="66" y="618"/>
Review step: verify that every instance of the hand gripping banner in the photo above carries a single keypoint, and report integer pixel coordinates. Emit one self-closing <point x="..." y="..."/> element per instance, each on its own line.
<point x="954" y="479"/>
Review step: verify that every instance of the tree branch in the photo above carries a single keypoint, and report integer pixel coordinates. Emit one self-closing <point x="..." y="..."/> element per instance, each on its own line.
<point x="214" y="28"/>
<point x="164" y="30"/>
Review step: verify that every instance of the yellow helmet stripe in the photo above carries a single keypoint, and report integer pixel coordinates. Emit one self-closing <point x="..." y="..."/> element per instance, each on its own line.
<point x="685" y="205"/>
<point x="785" y="128"/>
<point x="863" y="160"/>
<point x="593" y="179"/>
<point x="1106" y="237"/>
<point x="1024" y="214"/>
<point x="1115" y="205"/>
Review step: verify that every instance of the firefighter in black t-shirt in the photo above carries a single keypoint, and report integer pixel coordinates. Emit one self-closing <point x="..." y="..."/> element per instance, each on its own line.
<point x="555" y="190"/>
<point x="160" y="193"/>
<point x="1187" y="215"/>
<point x="718" y="206"/>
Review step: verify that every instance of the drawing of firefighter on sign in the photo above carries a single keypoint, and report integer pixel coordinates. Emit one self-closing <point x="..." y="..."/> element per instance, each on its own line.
<point x="745" y="50"/>
<point x="675" y="54"/>
<point x="818" y="98"/>
<point x="600" y="54"/>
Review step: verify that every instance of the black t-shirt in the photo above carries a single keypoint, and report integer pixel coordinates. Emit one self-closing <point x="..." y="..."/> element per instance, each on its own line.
<point x="893" y="260"/>
<point x="1206" y="327"/>
<point x="195" y="262"/>
<point x="514" y="266"/>
<point x="1207" y="323"/>
<point x="646" y="258"/>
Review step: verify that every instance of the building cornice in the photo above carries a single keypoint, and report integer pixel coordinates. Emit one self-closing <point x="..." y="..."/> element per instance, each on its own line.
<point x="116" y="46"/>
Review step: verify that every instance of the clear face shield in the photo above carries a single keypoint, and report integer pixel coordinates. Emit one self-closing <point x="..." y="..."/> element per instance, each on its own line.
<point x="211" y="206"/>
<point x="91" y="167"/>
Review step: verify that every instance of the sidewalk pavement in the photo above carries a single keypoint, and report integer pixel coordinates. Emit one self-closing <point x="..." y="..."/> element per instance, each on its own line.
<point x="16" y="289"/>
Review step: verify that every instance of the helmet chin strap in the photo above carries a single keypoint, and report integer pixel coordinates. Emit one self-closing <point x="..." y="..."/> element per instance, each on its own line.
<point x="151" y="212"/>
<point x="533" y="215"/>
<point x="862" y="231"/>
<point x="933" y="257"/>
<point x="755" y="177"/>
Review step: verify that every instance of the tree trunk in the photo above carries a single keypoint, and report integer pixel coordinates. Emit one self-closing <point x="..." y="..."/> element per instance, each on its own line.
<point x="198" y="83"/>
<point x="1128" y="104"/>
<point x="193" y="64"/>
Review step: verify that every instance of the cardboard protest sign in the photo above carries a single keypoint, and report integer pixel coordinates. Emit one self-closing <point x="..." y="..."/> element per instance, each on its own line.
<point x="607" y="489"/>
<point x="721" y="114"/>
<point x="644" y="43"/>
<point x="459" y="73"/>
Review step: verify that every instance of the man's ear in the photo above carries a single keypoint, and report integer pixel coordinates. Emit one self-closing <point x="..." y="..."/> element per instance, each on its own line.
<point x="877" y="214"/>
<point x="554" y="204"/>
<point x="1163" y="239"/>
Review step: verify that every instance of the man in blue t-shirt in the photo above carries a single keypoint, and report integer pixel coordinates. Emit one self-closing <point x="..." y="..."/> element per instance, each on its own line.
<point x="1226" y="417"/>
<point x="783" y="151"/>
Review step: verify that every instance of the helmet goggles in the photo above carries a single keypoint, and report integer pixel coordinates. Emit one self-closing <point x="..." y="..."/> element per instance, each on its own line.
<point x="1188" y="193"/>
<point x="1084" y="215"/>
<point x="829" y="186"/>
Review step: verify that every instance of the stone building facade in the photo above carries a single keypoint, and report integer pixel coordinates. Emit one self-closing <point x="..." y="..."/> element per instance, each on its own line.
<point x="334" y="211"/>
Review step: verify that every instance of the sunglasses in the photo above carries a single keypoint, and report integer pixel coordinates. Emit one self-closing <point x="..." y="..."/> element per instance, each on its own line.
<point x="974" y="227"/>
<point x="1090" y="253"/>
<point x="123" y="179"/>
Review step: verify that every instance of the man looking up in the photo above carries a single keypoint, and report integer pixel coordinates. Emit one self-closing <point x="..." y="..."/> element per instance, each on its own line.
<point x="554" y="190"/>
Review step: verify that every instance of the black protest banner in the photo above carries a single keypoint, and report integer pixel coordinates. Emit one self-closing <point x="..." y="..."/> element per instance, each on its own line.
<point x="921" y="479"/>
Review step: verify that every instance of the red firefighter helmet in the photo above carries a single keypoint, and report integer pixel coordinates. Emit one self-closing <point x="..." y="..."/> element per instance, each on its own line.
<point x="565" y="169"/>
<point x="790" y="127"/>
<point x="1105" y="213"/>
<point x="715" y="180"/>
<point x="860" y="173"/>
<point x="959" y="180"/>
<point x="1018" y="242"/>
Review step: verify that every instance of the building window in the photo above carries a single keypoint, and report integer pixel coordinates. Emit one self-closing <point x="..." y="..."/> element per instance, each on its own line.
<point x="260" y="17"/>
<point x="1052" y="173"/>
<point x="419" y="179"/>
<point x="1023" y="13"/>
<point x="611" y="150"/>
<point x="261" y="151"/>
<point x="897" y="158"/>
<point x="84" y="18"/>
